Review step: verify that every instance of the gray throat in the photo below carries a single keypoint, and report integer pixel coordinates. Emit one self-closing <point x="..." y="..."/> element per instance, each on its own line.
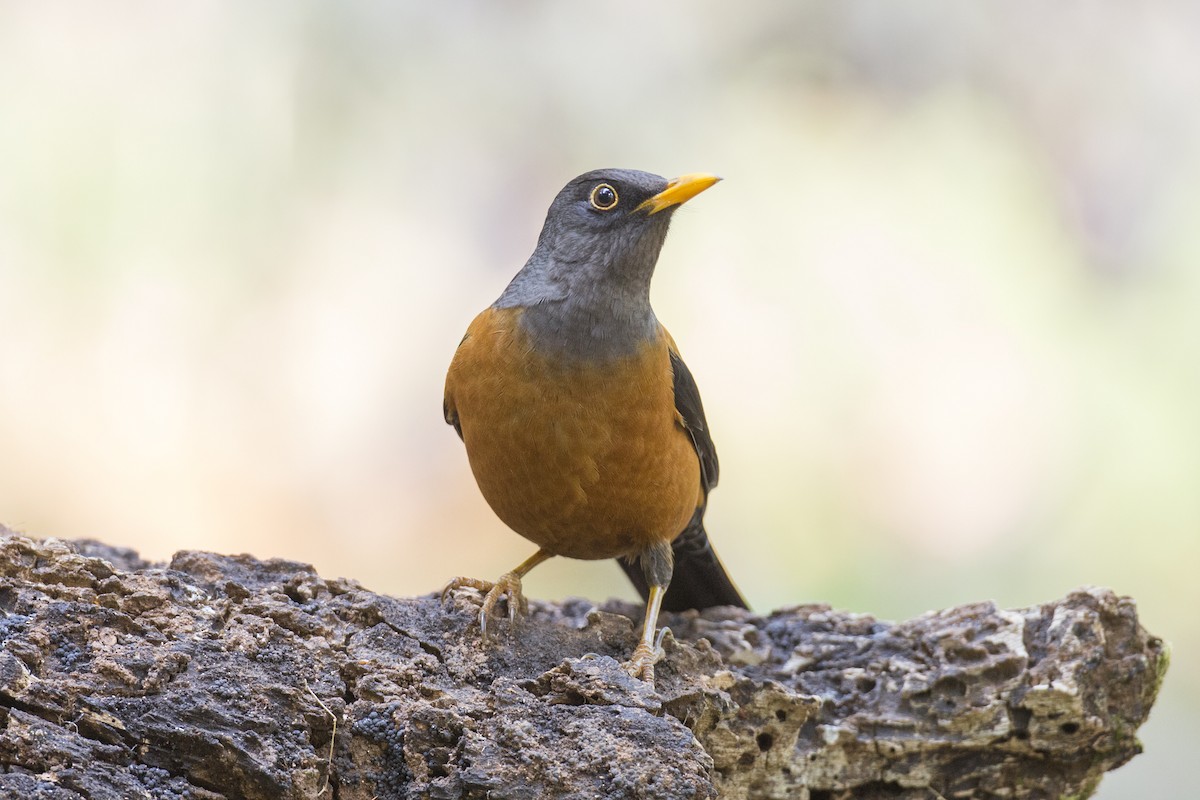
<point x="592" y="320"/>
<point x="586" y="295"/>
<point x="579" y="332"/>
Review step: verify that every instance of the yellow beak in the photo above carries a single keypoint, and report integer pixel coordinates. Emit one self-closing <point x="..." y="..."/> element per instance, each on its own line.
<point x="679" y="190"/>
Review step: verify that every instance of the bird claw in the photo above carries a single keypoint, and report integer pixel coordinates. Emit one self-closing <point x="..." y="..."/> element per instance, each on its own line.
<point x="641" y="663"/>
<point x="507" y="586"/>
<point x="469" y="583"/>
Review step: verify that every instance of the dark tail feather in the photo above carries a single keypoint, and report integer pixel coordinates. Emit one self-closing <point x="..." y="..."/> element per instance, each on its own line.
<point x="699" y="580"/>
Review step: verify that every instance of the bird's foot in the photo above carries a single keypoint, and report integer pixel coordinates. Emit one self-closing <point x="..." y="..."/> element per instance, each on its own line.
<point x="506" y="587"/>
<point x="645" y="656"/>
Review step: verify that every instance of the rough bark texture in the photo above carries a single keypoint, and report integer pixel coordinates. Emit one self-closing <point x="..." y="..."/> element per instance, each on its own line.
<point x="222" y="677"/>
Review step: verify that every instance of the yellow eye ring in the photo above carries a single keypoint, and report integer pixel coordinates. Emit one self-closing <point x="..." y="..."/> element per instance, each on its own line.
<point x="604" y="197"/>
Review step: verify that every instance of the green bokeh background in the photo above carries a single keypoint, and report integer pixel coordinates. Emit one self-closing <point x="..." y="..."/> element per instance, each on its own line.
<point x="945" y="309"/>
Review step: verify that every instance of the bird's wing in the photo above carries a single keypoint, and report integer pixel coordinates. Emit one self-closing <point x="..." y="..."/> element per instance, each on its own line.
<point x="449" y="411"/>
<point x="451" y="415"/>
<point x="691" y="415"/>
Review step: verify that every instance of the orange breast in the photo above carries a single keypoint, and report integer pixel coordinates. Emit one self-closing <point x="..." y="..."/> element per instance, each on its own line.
<point x="586" y="461"/>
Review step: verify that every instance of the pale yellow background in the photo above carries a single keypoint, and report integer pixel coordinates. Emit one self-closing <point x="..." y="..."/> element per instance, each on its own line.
<point x="943" y="311"/>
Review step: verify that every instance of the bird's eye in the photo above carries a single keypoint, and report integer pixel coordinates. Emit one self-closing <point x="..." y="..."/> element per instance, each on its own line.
<point x="604" y="197"/>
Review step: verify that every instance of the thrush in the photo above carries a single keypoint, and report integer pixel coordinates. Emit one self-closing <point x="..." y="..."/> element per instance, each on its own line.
<point x="583" y="425"/>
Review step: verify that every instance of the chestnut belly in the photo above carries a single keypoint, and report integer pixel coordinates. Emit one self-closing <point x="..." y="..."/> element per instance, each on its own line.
<point x="586" y="461"/>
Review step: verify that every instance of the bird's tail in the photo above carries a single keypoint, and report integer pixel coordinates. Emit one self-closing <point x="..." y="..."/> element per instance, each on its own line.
<point x="699" y="580"/>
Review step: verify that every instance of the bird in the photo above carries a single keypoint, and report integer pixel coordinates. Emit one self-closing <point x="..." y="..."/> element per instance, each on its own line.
<point x="583" y="426"/>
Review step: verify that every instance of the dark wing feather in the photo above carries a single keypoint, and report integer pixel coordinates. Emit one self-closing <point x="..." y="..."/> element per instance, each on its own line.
<point x="690" y="407"/>
<point x="451" y="417"/>
<point x="449" y="412"/>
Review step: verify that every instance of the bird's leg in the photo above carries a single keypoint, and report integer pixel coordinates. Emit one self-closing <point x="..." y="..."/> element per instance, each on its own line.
<point x="508" y="584"/>
<point x="658" y="562"/>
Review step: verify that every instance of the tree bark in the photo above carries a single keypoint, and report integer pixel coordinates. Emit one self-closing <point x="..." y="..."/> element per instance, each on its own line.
<point x="228" y="677"/>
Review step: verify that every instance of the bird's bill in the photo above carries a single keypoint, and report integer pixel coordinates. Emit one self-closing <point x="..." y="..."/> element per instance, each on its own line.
<point x="679" y="190"/>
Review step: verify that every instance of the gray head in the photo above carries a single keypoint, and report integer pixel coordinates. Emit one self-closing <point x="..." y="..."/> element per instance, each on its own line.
<point x="586" y="288"/>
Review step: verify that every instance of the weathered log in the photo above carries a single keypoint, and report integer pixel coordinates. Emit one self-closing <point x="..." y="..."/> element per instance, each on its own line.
<point x="229" y="677"/>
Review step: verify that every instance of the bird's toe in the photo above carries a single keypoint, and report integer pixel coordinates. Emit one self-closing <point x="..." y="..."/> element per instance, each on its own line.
<point x="506" y="589"/>
<point x="641" y="663"/>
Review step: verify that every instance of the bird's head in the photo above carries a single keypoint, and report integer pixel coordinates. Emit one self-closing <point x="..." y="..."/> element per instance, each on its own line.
<point x="611" y="223"/>
<point x="602" y="237"/>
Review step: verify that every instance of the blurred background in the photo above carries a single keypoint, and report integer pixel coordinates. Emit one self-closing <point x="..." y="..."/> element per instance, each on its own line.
<point x="944" y="310"/>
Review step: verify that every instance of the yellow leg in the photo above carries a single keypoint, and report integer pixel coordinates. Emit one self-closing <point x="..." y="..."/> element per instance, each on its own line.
<point x="649" y="651"/>
<point x="507" y="585"/>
